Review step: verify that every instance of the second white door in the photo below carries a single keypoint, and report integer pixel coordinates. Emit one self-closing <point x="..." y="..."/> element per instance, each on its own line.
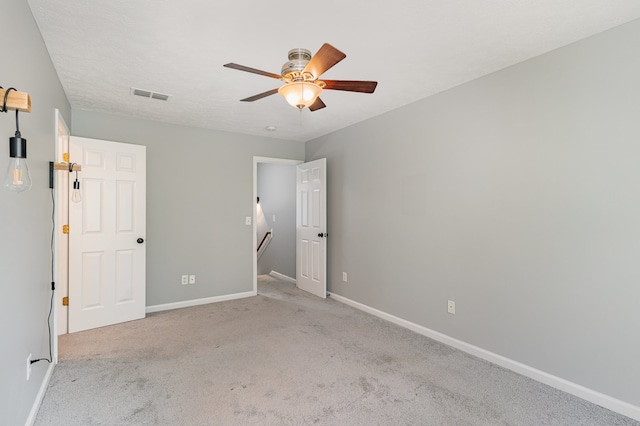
<point x="311" y="227"/>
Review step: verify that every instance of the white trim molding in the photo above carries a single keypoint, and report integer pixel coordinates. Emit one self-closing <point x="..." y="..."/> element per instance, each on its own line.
<point x="197" y="302"/>
<point x="40" y="396"/>
<point x="282" y="277"/>
<point x="580" y="391"/>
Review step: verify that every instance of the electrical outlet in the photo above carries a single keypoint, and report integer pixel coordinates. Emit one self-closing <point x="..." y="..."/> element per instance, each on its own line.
<point x="185" y="279"/>
<point x="29" y="367"/>
<point x="192" y="279"/>
<point x="451" y="307"/>
<point x="247" y="220"/>
<point x="274" y="217"/>
<point x="344" y="277"/>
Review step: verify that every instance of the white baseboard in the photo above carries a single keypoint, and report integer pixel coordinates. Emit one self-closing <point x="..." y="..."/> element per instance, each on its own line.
<point x="580" y="391"/>
<point x="196" y="302"/>
<point x="40" y="396"/>
<point x="282" y="277"/>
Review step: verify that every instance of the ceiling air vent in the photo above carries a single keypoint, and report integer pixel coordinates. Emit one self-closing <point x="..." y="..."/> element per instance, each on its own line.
<point x="149" y="94"/>
<point x="160" y="96"/>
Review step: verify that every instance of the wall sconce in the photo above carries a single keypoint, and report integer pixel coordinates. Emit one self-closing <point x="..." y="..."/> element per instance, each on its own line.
<point x="76" y="195"/>
<point x="17" y="177"/>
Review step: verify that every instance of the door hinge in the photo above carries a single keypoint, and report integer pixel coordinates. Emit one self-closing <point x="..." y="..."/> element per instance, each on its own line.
<point x="65" y="301"/>
<point x="65" y="157"/>
<point x="65" y="229"/>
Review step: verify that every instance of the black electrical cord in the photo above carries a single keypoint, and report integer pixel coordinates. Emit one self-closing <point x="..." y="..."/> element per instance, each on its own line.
<point x="53" y="284"/>
<point x="50" y="359"/>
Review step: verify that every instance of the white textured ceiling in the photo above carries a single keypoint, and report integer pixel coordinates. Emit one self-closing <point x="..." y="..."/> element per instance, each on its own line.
<point x="413" y="48"/>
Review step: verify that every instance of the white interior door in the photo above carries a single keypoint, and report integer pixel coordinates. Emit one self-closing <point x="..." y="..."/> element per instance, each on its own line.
<point x="311" y="227"/>
<point x="106" y="234"/>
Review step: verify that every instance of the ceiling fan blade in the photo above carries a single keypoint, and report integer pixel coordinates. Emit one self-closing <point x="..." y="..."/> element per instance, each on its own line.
<point x="318" y="104"/>
<point x="351" y="85"/>
<point x="326" y="57"/>
<point x="260" y="95"/>
<point x="252" y="70"/>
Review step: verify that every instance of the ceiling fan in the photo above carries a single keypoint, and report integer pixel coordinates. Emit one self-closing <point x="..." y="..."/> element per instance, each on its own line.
<point x="301" y="75"/>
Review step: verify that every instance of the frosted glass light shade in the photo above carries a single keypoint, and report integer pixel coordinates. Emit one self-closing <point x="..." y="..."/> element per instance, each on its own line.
<point x="300" y="94"/>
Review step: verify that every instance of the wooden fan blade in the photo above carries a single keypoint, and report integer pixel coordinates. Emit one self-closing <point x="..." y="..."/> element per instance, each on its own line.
<point x="260" y="95"/>
<point x="326" y="57"/>
<point x="318" y="104"/>
<point x="252" y="70"/>
<point x="351" y="85"/>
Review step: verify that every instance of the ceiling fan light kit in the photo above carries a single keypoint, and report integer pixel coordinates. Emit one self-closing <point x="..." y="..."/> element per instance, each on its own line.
<point x="300" y="94"/>
<point x="300" y="74"/>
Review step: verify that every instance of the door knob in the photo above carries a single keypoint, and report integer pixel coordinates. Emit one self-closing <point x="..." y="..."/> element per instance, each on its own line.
<point x="321" y="235"/>
<point x="140" y="240"/>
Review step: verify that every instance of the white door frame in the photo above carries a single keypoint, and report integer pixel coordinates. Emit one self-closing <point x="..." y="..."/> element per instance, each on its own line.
<point x="60" y="250"/>
<point x="257" y="160"/>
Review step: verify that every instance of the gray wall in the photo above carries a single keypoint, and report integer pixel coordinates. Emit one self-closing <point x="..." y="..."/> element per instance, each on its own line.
<point x="199" y="191"/>
<point x="277" y="192"/>
<point x="516" y="195"/>
<point x="25" y="218"/>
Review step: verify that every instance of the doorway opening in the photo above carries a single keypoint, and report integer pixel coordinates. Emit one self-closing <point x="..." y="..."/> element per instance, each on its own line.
<point x="274" y="182"/>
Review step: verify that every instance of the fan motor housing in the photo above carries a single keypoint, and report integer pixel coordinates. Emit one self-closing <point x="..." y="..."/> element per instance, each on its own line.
<point x="298" y="59"/>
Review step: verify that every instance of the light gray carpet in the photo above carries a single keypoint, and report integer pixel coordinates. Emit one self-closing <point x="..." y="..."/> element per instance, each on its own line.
<point x="287" y="358"/>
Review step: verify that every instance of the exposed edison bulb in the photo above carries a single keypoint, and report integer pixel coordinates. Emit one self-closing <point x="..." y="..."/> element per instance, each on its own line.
<point x="76" y="197"/>
<point x="18" y="178"/>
